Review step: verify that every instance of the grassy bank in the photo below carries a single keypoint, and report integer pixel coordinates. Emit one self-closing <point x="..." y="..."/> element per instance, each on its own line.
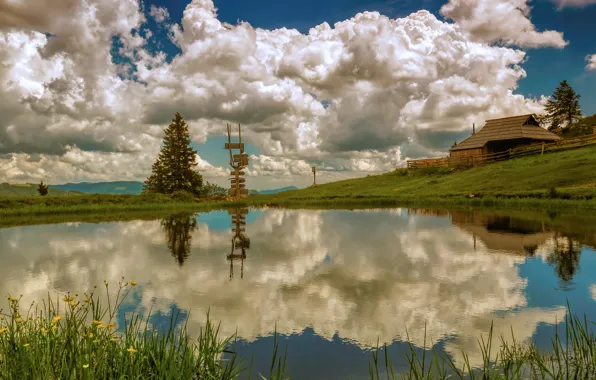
<point x="556" y="180"/>
<point x="72" y="337"/>
<point x="15" y="206"/>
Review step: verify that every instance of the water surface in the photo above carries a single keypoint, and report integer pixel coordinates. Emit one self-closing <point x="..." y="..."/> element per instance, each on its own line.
<point x="333" y="283"/>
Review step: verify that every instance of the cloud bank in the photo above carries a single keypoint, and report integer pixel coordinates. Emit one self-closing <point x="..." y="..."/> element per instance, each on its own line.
<point x="353" y="98"/>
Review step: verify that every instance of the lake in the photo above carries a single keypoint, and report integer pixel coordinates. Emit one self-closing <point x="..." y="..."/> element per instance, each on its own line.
<point x="332" y="283"/>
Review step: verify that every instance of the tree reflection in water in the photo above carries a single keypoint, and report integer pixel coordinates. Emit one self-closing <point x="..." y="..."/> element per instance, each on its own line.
<point x="239" y="240"/>
<point x="178" y="228"/>
<point x="565" y="257"/>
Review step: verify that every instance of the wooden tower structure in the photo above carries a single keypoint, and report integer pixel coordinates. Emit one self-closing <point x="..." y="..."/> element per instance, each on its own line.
<point x="240" y="242"/>
<point x="238" y="162"/>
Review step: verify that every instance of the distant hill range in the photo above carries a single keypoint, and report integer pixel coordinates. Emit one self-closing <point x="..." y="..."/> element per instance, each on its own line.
<point x="117" y="187"/>
<point x="26" y="189"/>
<point x="275" y="191"/>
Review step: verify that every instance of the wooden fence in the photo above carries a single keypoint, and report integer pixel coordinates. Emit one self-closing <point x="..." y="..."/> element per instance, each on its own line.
<point x="479" y="160"/>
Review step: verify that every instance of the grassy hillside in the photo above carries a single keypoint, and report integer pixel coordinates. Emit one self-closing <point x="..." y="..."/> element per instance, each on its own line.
<point x="28" y="189"/>
<point x="567" y="174"/>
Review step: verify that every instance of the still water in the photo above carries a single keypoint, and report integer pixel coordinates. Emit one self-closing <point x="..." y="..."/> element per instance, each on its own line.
<point x="332" y="283"/>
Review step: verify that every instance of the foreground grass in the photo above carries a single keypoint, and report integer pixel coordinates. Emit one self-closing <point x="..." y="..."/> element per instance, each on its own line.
<point x="73" y="337"/>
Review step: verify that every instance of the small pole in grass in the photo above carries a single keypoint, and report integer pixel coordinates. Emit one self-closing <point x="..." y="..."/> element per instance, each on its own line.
<point x="314" y="173"/>
<point x="542" y="149"/>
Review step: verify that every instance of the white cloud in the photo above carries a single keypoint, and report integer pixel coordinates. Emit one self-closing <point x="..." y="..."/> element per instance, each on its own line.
<point x="160" y="14"/>
<point x="357" y="97"/>
<point x="591" y="62"/>
<point x="505" y="21"/>
<point x="574" y="3"/>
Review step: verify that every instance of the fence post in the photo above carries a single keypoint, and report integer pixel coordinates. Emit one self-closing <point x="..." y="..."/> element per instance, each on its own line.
<point x="542" y="149"/>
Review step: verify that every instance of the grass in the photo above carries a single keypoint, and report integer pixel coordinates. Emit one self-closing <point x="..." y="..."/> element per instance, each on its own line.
<point x="96" y="203"/>
<point x="72" y="337"/>
<point x="80" y="340"/>
<point x="570" y="356"/>
<point x="563" y="179"/>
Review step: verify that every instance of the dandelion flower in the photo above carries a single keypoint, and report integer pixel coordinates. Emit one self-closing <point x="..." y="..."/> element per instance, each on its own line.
<point x="56" y="319"/>
<point x="131" y="350"/>
<point x="133" y="283"/>
<point x="85" y="365"/>
<point x="26" y="345"/>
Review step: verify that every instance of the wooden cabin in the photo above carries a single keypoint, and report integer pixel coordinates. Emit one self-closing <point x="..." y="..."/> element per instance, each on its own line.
<point x="500" y="135"/>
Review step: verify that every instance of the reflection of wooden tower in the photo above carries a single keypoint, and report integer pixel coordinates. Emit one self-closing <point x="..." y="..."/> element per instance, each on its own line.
<point x="239" y="240"/>
<point x="237" y="162"/>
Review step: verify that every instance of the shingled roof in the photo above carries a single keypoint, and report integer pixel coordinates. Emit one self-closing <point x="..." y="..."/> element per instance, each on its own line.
<point x="507" y="128"/>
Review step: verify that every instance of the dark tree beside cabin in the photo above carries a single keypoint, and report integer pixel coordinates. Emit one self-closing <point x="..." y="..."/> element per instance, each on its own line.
<point x="562" y="108"/>
<point x="174" y="168"/>
<point x="42" y="189"/>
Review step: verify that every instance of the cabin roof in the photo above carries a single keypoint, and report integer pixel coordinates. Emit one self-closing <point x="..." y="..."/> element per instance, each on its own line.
<point x="507" y="128"/>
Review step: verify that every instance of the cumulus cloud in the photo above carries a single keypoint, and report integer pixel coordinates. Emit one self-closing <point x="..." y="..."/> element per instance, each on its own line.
<point x="324" y="270"/>
<point x="360" y="96"/>
<point x="591" y="62"/>
<point x="160" y="14"/>
<point x="505" y="21"/>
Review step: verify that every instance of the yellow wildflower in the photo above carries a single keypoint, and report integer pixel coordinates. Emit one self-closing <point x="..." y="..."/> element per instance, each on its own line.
<point x="3" y="330"/>
<point x="19" y="320"/>
<point x="111" y="324"/>
<point x="86" y="300"/>
<point x="12" y="299"/>
<point x="133" y="283"/>
<point x="96" y="322"/>
<point x="68" y="299"/>
<point x="114" y="339"/>
<point x="85" y="365"/>
<point x="26" y="345"/>
<point x="73" y="303"/>
<point x="131" y="350"/>
<point x="102" y="326"/>
<point x="43" y="330"/>
<point x="54" y="327"/>
<point x="56" y="319"/>
<point x="90" y="335"/>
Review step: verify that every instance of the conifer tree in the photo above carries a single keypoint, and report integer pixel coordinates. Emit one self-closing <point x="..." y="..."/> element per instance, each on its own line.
<point x="562" y="108"/>
<point x="42" y="189"/>
<point x="174" y="168"/>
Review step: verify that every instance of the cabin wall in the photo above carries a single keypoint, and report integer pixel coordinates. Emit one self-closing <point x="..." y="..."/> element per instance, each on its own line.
<point x="505" y="145"/>
<point x="467" y="152"/>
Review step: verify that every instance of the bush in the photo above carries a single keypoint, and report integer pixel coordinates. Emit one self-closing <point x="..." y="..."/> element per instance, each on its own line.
<point x="183" y="196"/>
<point x="212" y="190"/>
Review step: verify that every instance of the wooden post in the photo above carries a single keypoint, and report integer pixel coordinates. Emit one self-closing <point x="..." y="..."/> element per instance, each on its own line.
<point x="542" y="149"/>
<point x="314" y="173"/>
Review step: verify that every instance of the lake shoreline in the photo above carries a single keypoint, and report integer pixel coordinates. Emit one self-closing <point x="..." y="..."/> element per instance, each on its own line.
<point x="134" y="208"/>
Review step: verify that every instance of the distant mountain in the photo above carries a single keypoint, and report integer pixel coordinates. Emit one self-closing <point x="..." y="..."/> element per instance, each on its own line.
<point x="25" y="189"/>
<point x="118" y="187"/>
<point x="275" y="191"/>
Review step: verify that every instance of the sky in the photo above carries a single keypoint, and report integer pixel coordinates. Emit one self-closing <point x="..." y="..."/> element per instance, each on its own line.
<point x="352" y="87"/>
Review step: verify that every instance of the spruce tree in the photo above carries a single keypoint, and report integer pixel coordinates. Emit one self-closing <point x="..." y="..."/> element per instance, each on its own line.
<point x="174" y="168"/>
<point x="562" y="108"/>
<point x="42" y="189"/>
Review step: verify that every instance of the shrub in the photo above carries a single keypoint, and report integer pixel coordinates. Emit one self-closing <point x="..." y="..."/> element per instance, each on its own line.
<point x="183" y="196"/>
